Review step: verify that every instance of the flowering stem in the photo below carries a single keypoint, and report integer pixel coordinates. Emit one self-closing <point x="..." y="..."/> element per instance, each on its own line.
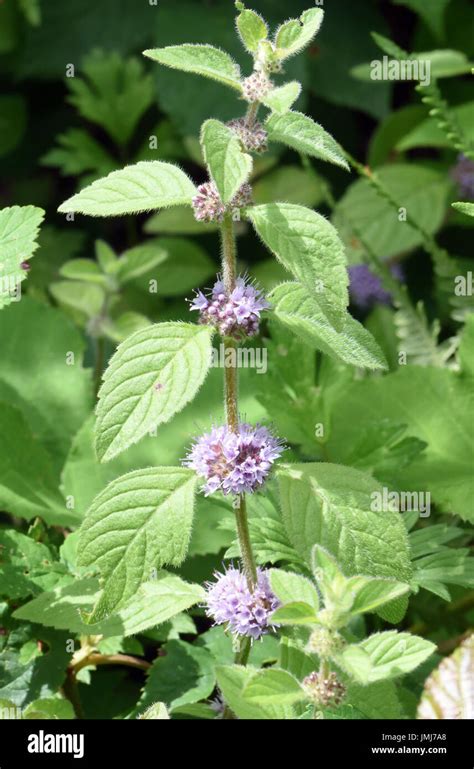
<point x="252" y="113"/>
<point x="246" y="551"/>
<point x="231" y="398"/>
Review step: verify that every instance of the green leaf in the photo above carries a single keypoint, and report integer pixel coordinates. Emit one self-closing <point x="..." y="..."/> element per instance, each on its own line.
<point x="295" y="613"/>
<point x="229" y="167"/>
<point x="78" y="153"/>
<point x="139" y="260"/>
<point x="82" y="269"/>
<point x="42" y="374"/>
<point x="178" y="221"/>
<point x="32" y="493"/>
<point x="31" y="10"/>
<point x="331" y="505"/>
<point x="41" y="677"/>
<point x="185" y="266"/>
<point x="388" y="46"/>
<point x="293" y="184"/>
<point x="151" y="377"/>
<point x="51" y="709"/>
<point x="302" y="134"/>
<point x="164" y="596"/>
<point x="281" y="99"/>
<point x="427" y="133"/>
<point x="434" y="402"/>
<point x="113" y="92"/>
<point x="448" y="690"/>
<point x="195" y="682"/>
<point x="421" y="191"/>
<point x="156" y="712"/>
<point x="290" y="587"/>
<point x="370" y="593"/>
<point x="300" y="312"/>
<point x="464" y="208"/>
<point x="433" y="15"/>
<point x="385" y="655"/>
<point x="85" y="299"/>
<point x="19" y="227"/>
<point x="202" y="60"/>
<point x="141" y="521"/>
<point x="232" y="680"/>
<point x="252" y="29"/>
<point x="296" y="34"/>
<point x="146" y="186"/>
<point x="309" y="247"/>
<point x="274" y="687"/>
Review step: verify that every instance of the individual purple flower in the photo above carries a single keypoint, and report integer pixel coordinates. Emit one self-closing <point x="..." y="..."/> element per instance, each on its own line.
<point x="234" y="462"/>
<point x="253" y="138"/>
<point x="208" y="206"/>
<point x="236" y="314"/>
<point x="366" y="288"/>
<point x="231" y="602"/>
<point x="463" y="174"/>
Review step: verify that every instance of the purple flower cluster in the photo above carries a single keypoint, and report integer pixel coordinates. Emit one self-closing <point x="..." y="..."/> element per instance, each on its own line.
<point x="366" y="288"/>
<point x="234" y="462"/>
<point x="208" y="206"/>
<point x="256" y="87"/>
<point x="463" y="175"/>
<point x="230" y="601"/>
<point x="253" y="138"/>
<point x="236" y="314"/>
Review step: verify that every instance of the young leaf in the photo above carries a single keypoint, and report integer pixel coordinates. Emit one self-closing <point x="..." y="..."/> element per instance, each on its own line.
<point x="202" y="60"/>
<point x="141" y="521"/>
<point x="295" y="613"/>
<point x="309" y="247"/>
<point x="289" y="587"/>
<point x="296" y="34"/>
<point x="448" y="692"/>
<point x="151" y="377"/>
<point x="384" y="655"/>
<point x="302" y="134"/>
<point x="139" y="260"/>
<point x="251" y="28"/>
<point x="228" y="165"/>
<point x="156" y="712"/>
<point x="300" y="312"/>
<point x="281" y="99"/>
<point x="19" y="227"/>
<point x="464" y="208"/>
<point x="51" y="709"/>
<point x="273" y="686"/>
<point x="146" y="186"/>
<point x="371" y="593"/>
<point x="82" y="269"/>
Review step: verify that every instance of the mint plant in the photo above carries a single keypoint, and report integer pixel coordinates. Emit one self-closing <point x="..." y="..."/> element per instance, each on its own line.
<point x="142" y="521"/>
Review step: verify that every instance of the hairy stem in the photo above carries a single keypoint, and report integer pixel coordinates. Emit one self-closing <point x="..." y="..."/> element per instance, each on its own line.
<point x="248" y="560"/>
<point x="252" y="113"/>
<point x="95" y="658"/>
<point x="229" y="253"/>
